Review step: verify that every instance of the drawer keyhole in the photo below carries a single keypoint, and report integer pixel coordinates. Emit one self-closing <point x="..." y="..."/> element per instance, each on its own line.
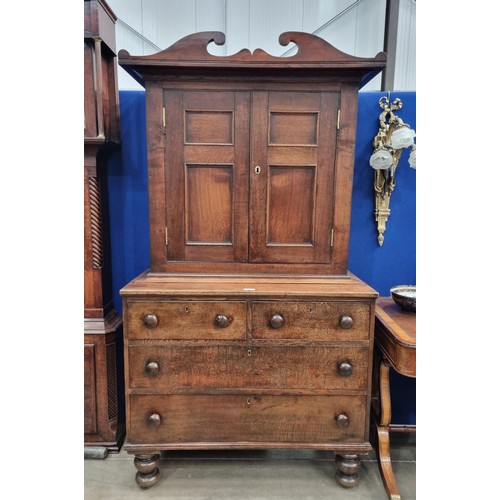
<point x="249" y="352"/>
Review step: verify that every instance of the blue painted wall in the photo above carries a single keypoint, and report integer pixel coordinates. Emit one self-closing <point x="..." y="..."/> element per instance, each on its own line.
<point x="381" y="267"/>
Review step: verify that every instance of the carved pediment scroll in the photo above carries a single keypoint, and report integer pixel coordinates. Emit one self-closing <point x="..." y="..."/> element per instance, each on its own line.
<point x="192" y="51"/>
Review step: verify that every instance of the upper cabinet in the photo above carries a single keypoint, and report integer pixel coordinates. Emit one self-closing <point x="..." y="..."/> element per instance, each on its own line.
<point x="250" y="156"/>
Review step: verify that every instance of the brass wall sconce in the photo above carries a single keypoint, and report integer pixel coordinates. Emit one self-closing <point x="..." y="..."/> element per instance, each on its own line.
<point x="393" y="137"/>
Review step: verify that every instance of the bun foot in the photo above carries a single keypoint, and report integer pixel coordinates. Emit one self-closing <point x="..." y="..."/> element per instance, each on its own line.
<point x="147" y="470"/>
<point x="347" y="470"/>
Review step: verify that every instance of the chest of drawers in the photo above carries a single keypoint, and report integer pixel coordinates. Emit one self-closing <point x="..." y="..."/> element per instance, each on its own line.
<point x="240" y="362"/>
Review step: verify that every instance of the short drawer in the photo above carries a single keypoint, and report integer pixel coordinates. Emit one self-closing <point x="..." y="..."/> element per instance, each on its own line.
<point x="221" y="320"/>
<point x="182" y="418"/>
<point x="323" y="321"/>
<point x="246" y="367"/>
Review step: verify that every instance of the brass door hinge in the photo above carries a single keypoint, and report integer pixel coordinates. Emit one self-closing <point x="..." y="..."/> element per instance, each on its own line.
<point x="331" y="237"/>
<point x="166" y="236"/>
<point x="164" y="120"/>
<point x="338" y="119"/>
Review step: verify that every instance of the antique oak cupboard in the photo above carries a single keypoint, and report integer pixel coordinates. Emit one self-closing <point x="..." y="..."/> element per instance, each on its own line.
<point x="103" y="423"/>
<point x="248" y="331"/>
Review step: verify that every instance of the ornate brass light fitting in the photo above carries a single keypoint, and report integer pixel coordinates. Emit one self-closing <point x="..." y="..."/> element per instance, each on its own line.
<point x="393" y="137"/>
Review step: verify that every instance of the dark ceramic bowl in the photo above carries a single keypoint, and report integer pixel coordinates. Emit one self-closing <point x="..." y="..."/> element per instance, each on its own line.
<point x="405" y="297"/>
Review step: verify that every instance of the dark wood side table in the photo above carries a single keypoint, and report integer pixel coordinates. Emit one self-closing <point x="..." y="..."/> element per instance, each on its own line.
<point x="395" y="347"/>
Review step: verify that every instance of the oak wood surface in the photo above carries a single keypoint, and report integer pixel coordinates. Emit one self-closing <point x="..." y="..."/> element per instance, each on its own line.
<point x="163" y="285"/>
<point x="187" y="320"/>
<point x="229" y="418"/>
<point x="311" y="320"/>
<point x="245" y="367"/>
<point x="396" y="336"/>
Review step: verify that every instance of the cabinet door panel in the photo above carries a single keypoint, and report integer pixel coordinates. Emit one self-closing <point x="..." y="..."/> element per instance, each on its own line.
<point x="293" y="144"/>
<point x="290" y="191"/>
<point x="207" y="175"/>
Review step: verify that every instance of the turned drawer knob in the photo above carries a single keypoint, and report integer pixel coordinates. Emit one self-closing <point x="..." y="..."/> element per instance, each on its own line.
<point x="277" y="321"/>
<point x="154" y="419"/>
<point x="152" y="368"/>
<point x="221" y="321"/>
<point x="342" y="420"/>
<point x="150" y="320"/>
<point x="345" y="369"/>
<point x="346" y="322"/>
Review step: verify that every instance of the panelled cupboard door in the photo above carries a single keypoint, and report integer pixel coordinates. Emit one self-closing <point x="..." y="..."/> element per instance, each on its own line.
<point x="249" y="175"/>
<point x="206" y="159"/>
<point x="291" y="182"/>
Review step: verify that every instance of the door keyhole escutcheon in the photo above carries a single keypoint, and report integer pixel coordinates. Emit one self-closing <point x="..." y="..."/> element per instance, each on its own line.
<point x="257" y="169"/>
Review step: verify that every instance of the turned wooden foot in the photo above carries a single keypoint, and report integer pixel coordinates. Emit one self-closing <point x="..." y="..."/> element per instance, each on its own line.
<point x="147" y="470"/>
<point x="347" y="470"/>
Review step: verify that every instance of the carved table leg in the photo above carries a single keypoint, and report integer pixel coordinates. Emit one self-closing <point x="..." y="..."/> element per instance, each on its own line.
<point x="383" y="445"/>
<point x="147" y="470"/>
<point x="347" y="470"/>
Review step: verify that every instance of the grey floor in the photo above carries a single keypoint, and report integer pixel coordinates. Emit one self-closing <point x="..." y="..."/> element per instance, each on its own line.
<point x="250" y="475"/>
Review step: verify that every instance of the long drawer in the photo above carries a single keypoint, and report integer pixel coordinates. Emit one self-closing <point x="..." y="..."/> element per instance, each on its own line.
<point x="183" y="320"/>
<point x="181" y="418"/>
<point x="271" y="367"/>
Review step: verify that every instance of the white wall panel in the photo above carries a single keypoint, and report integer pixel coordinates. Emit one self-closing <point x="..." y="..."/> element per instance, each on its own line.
<point x="210" y="16"/>
<point x="369" y="33"/>
<point x="270" y="18"/>
<point x="319" y="12"/>
<point x="341" y="33"/>
<point x="165" y="22"/>
<point x="405" y="68"/>
<point x="237" y="25"/>
<point x="370" y="27"/>
<point x="129" y="40"/>
<point x="129" y="12"/>
<point x="353" y="26"/>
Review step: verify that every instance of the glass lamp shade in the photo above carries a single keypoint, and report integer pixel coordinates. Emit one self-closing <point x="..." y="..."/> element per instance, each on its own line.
<point x="381" y="159"/>
<point x="412" y="160"/>
<point x="402" y="137"/>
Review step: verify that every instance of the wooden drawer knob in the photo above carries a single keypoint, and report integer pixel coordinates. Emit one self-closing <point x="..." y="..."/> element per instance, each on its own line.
<point x="152" y="368"/>
<point x="345" y="369"/>
<point x="277" y="321"/>
<point x="342" y="420"/>
<point x="154" y="420"/>
<point x="150" y="320"/>
<point x="346" y="322"/>
<point x="221" y="321"/>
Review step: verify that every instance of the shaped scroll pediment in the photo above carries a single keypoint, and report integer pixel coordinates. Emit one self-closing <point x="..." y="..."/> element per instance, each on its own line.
<point x="194" y="49"/>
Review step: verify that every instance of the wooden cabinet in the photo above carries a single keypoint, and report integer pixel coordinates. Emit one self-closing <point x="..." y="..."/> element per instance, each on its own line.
<point x="250" y="156"/>
<point x="248" y="330"/>
<point x="103" y="424"/>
